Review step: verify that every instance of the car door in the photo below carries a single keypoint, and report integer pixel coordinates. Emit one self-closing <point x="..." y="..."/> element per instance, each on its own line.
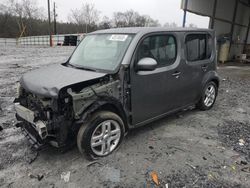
<point x="156" y="92"/>
<point x="198" y="48"/>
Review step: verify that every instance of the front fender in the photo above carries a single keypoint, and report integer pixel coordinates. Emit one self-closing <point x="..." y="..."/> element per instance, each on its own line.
<point x="102" y="103"/>
<point x="88" y="96"/>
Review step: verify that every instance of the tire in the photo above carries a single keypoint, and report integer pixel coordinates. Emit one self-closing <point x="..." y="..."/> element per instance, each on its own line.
<point x="101" y="135"/>
<point x="208" y="96"/>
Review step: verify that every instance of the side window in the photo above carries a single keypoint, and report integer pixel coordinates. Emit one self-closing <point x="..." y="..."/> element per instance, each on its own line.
<point x="162" y="48"/>
<point x="198" y="46"/>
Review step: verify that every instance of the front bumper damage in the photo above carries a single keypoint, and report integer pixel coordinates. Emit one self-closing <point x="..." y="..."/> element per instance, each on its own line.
<point x="38" y="132"/>
<point x="31" y="135"/>
<point x="29" y="116"/>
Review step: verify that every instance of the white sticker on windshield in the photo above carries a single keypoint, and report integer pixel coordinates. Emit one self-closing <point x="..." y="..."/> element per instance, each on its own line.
<point x="118" y="37"/>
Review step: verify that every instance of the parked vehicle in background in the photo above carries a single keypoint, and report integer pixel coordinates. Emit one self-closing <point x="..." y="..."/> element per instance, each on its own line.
<point x="115" y="80"/>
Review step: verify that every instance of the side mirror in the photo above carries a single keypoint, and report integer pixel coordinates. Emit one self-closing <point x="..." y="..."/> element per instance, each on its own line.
<point x="146" y="64"/>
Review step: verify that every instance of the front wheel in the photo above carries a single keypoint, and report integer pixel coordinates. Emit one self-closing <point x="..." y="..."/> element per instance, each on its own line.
<point x="101" y="135"/>
<point x="208" y="96"/>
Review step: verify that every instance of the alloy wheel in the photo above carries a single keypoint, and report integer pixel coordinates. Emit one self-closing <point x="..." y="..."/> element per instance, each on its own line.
<point x="210" y="94"/>
<point x="105" y="137"/>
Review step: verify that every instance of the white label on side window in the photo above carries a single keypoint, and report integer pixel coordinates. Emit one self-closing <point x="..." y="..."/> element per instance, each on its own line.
<point x="118" y="37"/>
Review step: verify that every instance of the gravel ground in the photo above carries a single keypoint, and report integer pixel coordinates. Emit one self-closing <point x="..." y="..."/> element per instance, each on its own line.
<point x="189" y="149"/>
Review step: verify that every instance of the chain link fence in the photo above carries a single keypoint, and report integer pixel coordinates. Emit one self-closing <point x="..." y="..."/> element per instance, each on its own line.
<point x="8" y="41"/>
<point x="57" y="40"/>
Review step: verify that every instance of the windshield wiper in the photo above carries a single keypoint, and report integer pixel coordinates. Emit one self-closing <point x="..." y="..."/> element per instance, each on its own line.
<point x="80" y="67"/>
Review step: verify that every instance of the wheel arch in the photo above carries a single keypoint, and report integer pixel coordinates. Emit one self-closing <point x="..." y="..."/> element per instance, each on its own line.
<point x="211" y="76"/>
<point x="104" y="104"/>
<point x="216" y="81"/>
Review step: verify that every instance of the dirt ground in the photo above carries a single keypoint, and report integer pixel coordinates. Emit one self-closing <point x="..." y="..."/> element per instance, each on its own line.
<point x="190" y="149"/>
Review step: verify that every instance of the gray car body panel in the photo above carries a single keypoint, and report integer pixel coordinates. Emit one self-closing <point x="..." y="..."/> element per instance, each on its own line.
<point x="166" y="93"/>
<point x="50" y="80"/>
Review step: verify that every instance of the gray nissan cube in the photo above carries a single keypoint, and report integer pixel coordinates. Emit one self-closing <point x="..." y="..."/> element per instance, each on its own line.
<point x="115" y="80"/>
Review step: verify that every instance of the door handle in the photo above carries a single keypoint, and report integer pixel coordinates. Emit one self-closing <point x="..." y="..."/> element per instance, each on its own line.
<point x="176" y="74"/>
<point x="204" y="67"/>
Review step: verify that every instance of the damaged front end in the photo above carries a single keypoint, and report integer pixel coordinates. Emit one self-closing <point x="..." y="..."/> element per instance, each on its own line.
<point x="41" y="119"/>
<point x="57" y="120"/>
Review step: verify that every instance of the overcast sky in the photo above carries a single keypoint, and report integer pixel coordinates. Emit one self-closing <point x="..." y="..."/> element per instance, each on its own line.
<point x="162" y="10"/>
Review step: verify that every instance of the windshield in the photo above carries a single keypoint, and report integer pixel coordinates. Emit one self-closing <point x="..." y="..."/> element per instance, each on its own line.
<point x="101" y="51"/>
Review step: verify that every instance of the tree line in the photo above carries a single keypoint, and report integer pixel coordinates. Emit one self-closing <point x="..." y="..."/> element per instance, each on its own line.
<point x="26" y="18"/>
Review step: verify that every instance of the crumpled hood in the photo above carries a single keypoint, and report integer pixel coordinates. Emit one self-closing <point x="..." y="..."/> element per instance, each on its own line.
<point x="50" y="80"/>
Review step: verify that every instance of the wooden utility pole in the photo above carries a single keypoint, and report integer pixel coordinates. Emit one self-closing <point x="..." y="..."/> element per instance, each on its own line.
<point x="55" y="31"/>
<point x="50" y="37"/>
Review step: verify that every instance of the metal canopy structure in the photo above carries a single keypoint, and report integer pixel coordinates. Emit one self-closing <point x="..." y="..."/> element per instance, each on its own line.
<point x="227" y="17"/>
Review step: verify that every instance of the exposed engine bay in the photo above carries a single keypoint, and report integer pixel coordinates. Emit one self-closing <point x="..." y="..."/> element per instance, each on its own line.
<point x="56" y="120"/>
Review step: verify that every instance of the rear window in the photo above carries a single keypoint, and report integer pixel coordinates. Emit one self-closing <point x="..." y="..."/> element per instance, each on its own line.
<point x="198" y="47"/>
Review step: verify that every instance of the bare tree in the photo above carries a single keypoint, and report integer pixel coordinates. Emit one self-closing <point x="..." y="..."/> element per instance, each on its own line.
<point x="26" y="9"/>
<point x="76" y="17"/>
<point x="23" y="11"/>
<point x="149" y="22"/>
<point x="105" y="23"/>
<point x="86" y="16"/>
<point x="131" y="18"/>
<point x="125" y="19"/>
<point x="170" y="25"/>
<point x="91" y="15"/>
<point x="3" y="8"/>
<point x="119" y="20"/>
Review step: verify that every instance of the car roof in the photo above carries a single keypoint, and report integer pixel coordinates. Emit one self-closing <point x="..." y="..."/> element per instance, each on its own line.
<point x="136" y="30"/>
